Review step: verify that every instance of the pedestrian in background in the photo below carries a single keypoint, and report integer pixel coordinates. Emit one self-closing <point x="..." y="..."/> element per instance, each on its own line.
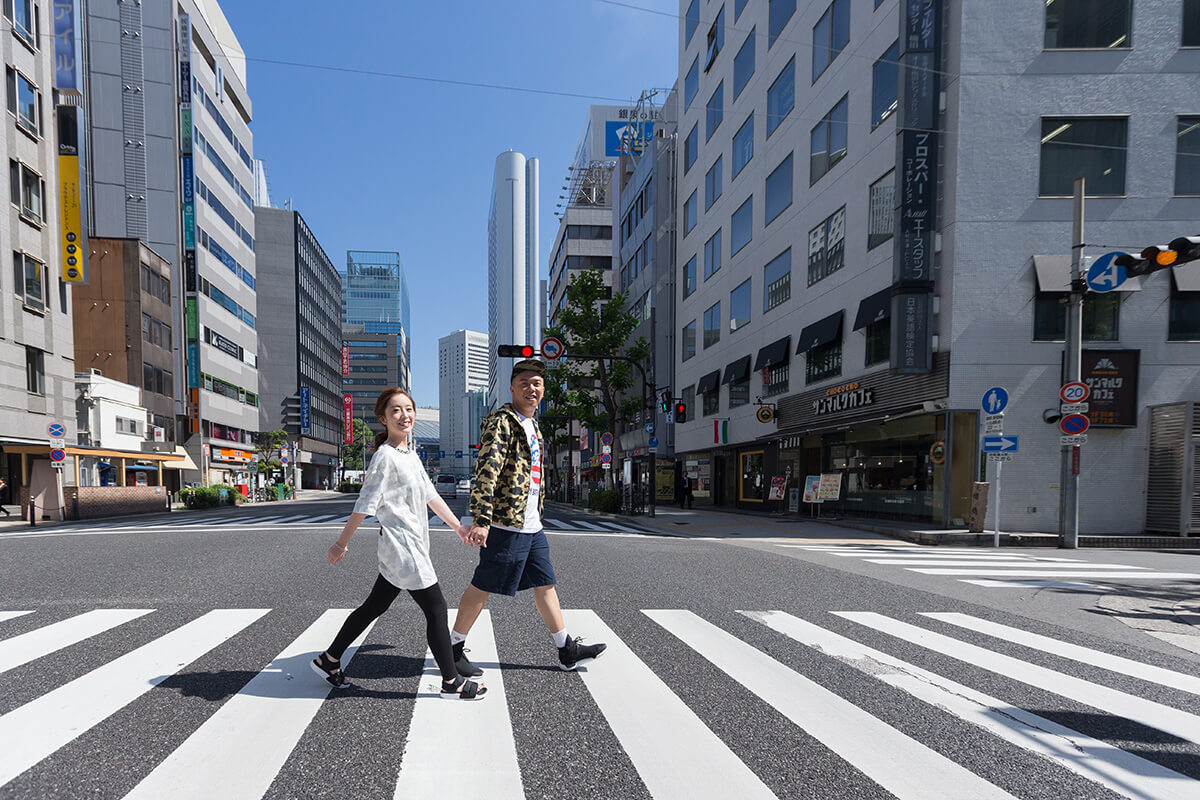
<point x="397" y="490"/>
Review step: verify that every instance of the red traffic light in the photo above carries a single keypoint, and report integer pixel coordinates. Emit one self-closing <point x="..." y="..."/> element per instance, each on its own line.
<point x="680" y="412"/>
<point x="526" y="352"/>
<point x="516" y="351"/>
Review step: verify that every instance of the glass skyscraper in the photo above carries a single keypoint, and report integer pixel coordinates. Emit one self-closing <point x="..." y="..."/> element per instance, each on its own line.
<point x="375" y="295"/>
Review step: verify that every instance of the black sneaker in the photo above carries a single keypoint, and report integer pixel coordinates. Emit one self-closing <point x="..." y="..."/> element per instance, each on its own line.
<point x="575" y="652"/>
<point x="331" y="671"/>
<point x="463" y="664"/>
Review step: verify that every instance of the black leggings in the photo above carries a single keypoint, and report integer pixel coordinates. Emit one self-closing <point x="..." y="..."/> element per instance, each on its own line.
<point x="437" y="625"/>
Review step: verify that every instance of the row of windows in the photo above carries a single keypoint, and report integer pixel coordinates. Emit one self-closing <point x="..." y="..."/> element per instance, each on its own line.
<point x="156" y="284"/>
<point x="224" y="213"/>
<point x="125" y="425"/>
<point x="27" y="192"/>
<point x="226" y="302"/>
<point x="158" y="380"/>
<point x="229" y="433"/>
<point x="24" y="102"/>
<point x="156" y="332"/>
<point x="223" y="168"/>
<point x="215" y="112"/>
<point x="1105" y="24"/>
<point x="637" y="262"/>
<point x="213" y="246"/>
<point x="1095" y="148"/>
<point x="26" y="19"/>
<point x="230" y="390"/>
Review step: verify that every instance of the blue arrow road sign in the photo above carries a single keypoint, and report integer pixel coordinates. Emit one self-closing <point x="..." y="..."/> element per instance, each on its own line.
<point x="458" y="453"/>
<point x="1104" y="275"/>
<point x="995" y="400"/>
<point x="1000" y="444"/>
<point x="654" y="441"/>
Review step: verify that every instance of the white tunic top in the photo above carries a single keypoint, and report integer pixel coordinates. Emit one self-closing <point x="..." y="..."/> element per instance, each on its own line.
<point x="397" y="491"/>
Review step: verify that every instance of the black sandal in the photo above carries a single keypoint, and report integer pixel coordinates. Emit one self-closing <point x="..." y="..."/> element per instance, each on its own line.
<point x="465" y="689"/>
<point x="331" y="671"/>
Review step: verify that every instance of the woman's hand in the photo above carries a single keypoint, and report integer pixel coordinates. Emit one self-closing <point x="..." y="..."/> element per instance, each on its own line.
<point x="463" y="533"/>
<point x="336" y="551"/>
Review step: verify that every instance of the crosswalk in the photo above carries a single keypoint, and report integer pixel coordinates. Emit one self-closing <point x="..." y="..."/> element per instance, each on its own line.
<point x="994" y="568"/>
<point x="243" y="743"/>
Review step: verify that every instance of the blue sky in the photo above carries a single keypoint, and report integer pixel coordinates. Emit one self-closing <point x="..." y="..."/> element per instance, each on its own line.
<point x="381" y="163"/>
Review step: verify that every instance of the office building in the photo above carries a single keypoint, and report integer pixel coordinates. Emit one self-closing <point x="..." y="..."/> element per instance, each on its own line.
<point x="299" y="344"/>
<point x="919" y="255"/>
<point x="375" y="296"/>
<point x="373" y="363"/>
<point x="462" y="371"/>
<point x="513" y="285"/>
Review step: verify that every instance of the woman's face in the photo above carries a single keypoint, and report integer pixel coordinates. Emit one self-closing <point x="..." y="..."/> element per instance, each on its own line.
<point x="400" y="414"/>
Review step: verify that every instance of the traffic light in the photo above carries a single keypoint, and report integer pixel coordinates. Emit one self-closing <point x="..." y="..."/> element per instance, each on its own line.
<point x="516" y="351"/>
<point x="1160" y="256"/>
<point x="666" y="402"/>
<point x="680" y="412"/>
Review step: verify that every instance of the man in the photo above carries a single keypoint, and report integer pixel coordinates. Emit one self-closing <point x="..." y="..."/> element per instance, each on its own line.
<point x="506" y="509"/>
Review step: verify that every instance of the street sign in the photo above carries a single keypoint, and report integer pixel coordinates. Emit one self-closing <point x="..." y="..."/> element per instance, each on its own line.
<point x="1076" y="440"/>
<point x="995" y="400"/>
<point x="654" y="449"/>
<point x="1003" y="457"/>
<point x="606" y="448"/>
<point x="650" y="428"/>
<point x="58" y="454"/>
<point x="254" y="466"/>
<point x="207" y="451"/>
<point x="1074" y="424"/>
<point x="654" y="441"/>
<point x="993" y="427"/>
<point x="552" y="348"/>
<point x="458" y="453"/>
<point x="606" y="465"/>
<point x="606" y="458"/>
<point x="1074" y="392"/>
<point x="1104" y="275"/>
<point x="56" y="430"/>
<point x="441" y="453"/>
<point x="58" y="442"/>
<point x="1001" y="444"/>
<point x="606" y="438"/>
<point x="283" y="460"/>
<point x="1073" y="408"/>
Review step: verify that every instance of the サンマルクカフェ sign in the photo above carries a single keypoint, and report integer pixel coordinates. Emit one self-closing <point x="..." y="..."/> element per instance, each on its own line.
<point x="840" y="398"/>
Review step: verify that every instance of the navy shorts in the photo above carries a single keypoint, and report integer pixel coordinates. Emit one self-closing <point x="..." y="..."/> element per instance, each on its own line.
<point x="513" y="561"/>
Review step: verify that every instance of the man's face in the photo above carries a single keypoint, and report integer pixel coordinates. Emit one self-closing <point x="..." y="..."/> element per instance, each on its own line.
<point x="527" y="390"/>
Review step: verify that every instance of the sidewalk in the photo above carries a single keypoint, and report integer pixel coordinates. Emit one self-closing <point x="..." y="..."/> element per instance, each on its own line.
<point x="737" y="523"/>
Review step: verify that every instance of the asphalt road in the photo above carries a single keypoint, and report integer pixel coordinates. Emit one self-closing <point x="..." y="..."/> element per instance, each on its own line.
<point x="851" y="690"/>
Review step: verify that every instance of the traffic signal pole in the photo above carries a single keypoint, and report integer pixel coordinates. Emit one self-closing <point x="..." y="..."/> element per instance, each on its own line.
<point x="1068" y="504"/>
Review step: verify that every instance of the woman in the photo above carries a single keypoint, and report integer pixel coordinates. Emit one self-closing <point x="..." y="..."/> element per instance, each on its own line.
<point x="397" y="491"/>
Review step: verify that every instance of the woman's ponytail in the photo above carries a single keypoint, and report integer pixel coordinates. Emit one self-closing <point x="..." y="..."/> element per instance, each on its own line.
<point x="380" y="438"/>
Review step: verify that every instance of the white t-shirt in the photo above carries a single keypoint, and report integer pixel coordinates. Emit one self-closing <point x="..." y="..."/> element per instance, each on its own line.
<point x="397" y="491"/>
<point x="533" y="521"/>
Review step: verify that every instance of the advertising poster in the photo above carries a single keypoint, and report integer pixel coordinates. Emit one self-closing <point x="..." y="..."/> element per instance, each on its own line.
<point x="812" y="488"/>
<point x="831" y="486"/>
<point x="778" y="484"/>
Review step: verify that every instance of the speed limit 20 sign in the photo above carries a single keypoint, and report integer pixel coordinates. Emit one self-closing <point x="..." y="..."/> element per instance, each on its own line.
<point x="1074" y="392"/>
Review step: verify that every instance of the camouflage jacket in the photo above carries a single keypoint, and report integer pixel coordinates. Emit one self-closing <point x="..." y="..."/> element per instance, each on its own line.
<point x="502" y="471"/>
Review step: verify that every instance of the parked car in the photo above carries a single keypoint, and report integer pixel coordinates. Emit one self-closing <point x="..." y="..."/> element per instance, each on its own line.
<point x="464" y="486"/>
<point x="446" y="485"/>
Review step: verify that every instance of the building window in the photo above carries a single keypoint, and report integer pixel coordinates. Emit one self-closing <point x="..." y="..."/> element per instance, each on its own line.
<point x="879" y="342"/>
<point x="1191" y="23"/>
<point x="781" y="96"/>
<point x="775" y="381"/>
<point x="829" y="36"/>
<point x="1083" y="147"/>
<point x="688" y="397"/>
<point x="777" y="280"/>
<point x="741" y="226"/>
<point x="712" y="402"/>
<point x="739" y="393"/>
<point x="828" y="142"/>
<point x="1187" y="154"/>
<point x="1101" y="315"/>
<point x="1183" y="316"/>
<point x="712" y="255"/>
<point x="712" y="183"/>
<point x="712" y="325"/>
<point x="691" y="84"/>
<point x="691" y="147"/>
<point x="127" y="425"/>
<point x="688" y="341"/>
<point x="30" y="280"/>
<point x="716" y="39"/>
<point x="691" y="21"/>
<point x="780" y="11"/>
<point x="881" y="211"/>
<point x="35" y="371"/>
<point x="778" y="195"/>
<point x="827" y="246"/>
<point x="24" y="20"/>
<point x="823" y="362"/>
<point x="27" y="191"/>
<point x="1077" y="24"/>
<point x="743" y="145"/>
<point x="589" y="232"/>
<point x="689" y="214"/>
<point x="885" y="76"/>
<point x="743" y="65"/>
<point x="739" y="306"/>
<point x="689" y="277"/>
<point x="24" y="100"/>
<point x="715" y="111"/>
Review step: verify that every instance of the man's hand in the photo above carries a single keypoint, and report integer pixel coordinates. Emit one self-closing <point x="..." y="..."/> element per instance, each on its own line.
<point x="478" y="535"/>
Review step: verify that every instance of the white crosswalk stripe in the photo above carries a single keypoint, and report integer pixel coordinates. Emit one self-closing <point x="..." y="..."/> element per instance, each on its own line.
<point x="246" y="742"/>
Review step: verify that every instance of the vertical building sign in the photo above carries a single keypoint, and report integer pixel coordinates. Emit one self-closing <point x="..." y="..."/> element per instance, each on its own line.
<point x="305" y="409"/>
<point x="345" y="359"/>
<point x="70" y="199"/>
<point x="917" y="149"/>
<point x="188" y="196"/>
<point x="347" y="418"/>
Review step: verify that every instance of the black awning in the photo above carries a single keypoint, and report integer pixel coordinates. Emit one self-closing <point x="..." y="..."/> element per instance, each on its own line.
<point x="709" y="383"/>
<point x="738" y="371"/>
<point x="822" y="332"/>
<point x="875" y="308"/>
<point x="776" y="354"/>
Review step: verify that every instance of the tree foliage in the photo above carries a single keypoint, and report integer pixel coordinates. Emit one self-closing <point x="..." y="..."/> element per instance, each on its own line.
<point x="352" y="454"/>
<point x="267" y="445"/>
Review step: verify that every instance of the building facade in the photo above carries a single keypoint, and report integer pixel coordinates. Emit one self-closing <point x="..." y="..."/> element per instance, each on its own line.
<point x="462" y="371"/>
<point x="514" y="292"/>
<point x="374" y="365"/>
<point x="917" y="257"/>
<point x="299" y="343"/>
<point x="375" y="296"/>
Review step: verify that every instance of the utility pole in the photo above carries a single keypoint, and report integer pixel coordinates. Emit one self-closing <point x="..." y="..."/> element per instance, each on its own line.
<point x="1068" y="504"/>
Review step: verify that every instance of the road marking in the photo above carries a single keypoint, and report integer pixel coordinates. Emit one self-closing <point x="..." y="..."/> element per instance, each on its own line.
<point x="7" y="615"/>
<point x="898" y="763"/>
<point x="35" y="730"/>
<point x="1122" y="772"/>
<point x="616" y="527"/>
<point x="997" y="564"/>
<point x="1037" y="572"/>
<point x="1033" y="584"/>
<point x="246" y="742"/>
<point x="1147" y="712"/>
<point x="974" y="559"/>
<point x="1074" y="652"/>
<point x="322" y="518"/>
<point x="587" y="525"/>
<point x="40" y="642"/>
<point x="492" y="769"/>
<point x="556" y="523"/>
<point x="675" y="754"/>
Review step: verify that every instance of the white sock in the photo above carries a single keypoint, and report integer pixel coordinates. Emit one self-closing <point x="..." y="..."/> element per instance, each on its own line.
<point x="560" y="638"/>
<point x="456" y="637"/>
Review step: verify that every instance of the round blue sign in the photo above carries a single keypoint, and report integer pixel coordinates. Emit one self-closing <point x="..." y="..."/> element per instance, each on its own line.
<point x="994" y="401"/>
<point x="1074" y="424"/>
<point x="1104" y="276"/>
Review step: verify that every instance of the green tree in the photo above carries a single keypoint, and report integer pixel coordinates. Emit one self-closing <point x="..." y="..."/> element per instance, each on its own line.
<point x="267" y="445"/>
<point x="602" y="393"/>
<point x="352" y="454"/>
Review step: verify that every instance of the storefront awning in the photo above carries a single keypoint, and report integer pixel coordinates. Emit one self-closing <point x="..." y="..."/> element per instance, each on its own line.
<point x="1054" y="275"/>
<point x="822" y="332"/>
<point x="183" y="462"/>
<point x="738" y="371"/>
<point x="709" y="383"/>
<point x="776" y="354"/>
<point x="875" y="308"/>
<point x="140" y="468"/>
<point x="1187" y="278"/>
